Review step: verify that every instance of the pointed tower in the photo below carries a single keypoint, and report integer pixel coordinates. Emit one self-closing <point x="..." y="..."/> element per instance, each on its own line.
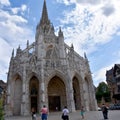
<point x="44" y="19"/>
<point x="44" y="32"/>
<point x="44" y="26"/>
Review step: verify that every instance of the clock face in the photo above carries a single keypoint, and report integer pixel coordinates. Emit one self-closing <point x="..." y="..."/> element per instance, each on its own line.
<point x="50" y="46"/>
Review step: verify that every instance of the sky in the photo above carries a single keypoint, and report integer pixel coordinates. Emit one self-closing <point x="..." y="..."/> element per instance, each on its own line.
<point x="92" y="26"/>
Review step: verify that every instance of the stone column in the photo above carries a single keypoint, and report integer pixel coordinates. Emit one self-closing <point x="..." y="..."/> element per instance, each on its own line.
<point x="71" y="103"/>
<point x="82" y="94"/>
<point x="8" y="106"/>
<point x="42" y="86"/>
<point x="42" y="92"/>
<point x="9" y="103"/>
<point x="25" y="98"/>
<point x="93" y="102"/>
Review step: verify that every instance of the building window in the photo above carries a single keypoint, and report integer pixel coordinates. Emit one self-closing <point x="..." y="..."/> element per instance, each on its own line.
<point x="118" y="88"/>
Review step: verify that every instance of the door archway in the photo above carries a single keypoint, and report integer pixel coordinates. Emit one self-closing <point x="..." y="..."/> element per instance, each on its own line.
<point x="56" y="94"/>
<point x="76" y="93"/>
<point x="17" y="95"/>
<point x="34" y="90"/>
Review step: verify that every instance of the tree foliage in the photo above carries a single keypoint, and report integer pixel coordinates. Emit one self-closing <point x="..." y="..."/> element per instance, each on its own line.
<point x="1" y="110"/>
<point x="102" y="92"/>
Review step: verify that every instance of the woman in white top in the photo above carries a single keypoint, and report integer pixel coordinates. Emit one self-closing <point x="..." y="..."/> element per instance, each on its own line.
<point x="65" y="113"/>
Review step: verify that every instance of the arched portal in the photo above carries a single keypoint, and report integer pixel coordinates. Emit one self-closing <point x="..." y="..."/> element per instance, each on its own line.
<point x="34" y="88"/>
<point x="76" y="93"/>
<point x="17" y="95"/>
<point x="56" y="94"/>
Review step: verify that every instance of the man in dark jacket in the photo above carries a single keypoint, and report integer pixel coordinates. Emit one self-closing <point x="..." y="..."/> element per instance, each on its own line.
<point x="105" y="111"/>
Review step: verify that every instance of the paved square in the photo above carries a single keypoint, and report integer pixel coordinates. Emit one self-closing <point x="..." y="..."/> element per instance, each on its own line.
<point x="92" y="115"/>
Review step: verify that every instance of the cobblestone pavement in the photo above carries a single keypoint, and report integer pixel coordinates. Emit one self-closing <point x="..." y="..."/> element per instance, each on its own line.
<point x="92" y="115"/>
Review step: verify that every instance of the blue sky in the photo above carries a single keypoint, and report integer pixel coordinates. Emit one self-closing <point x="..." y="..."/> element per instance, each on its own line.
<point x="93" y="26"/>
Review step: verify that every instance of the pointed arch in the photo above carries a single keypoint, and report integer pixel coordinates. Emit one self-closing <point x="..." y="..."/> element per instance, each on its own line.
<point x="77" y="90"/>
<point x="34" y="93"/>
<point x="56" y="94"/>
<point x="17" y="94"/>
<point x="52" y="52"/>
<point x="55" y="53"/>
<point x="56" y="73"/>
<point x="49" y="51"/>
<point x="32" y="74"/>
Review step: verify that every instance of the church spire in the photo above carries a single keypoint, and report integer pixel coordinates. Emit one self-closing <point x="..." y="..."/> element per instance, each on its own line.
<point x="44" y="18"/>
<point x="44" y="26"/>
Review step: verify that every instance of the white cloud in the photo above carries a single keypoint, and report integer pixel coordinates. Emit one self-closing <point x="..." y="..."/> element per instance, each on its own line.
<point x="108" y="10"/>
<point x="92" y="2"/>
<point x="88" y="26"/>
<point x="12" y="29"/>
<point x="21" y="9"/>
<point x="100" y="75"/>
<point x="5" y="53"/>
<point x="4" y="3"/>
<point x="13" y="32"/>
<point x="66" y="2"/>
<point x="6" y="16"/>
<point x="15" y="10"/>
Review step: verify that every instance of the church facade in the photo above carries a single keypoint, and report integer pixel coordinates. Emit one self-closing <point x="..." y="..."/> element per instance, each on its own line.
<point x="48" y="72"/>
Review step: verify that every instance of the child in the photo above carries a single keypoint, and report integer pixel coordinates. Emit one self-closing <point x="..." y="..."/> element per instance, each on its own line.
<point x="82" y="112"/>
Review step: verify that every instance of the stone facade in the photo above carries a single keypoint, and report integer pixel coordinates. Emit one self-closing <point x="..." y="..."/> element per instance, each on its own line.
<point x="48" y="72"/>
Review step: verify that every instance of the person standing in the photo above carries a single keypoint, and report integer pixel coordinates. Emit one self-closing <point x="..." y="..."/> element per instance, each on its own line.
<point x="105" y="111"/>
<point x="82" y="112"/>
<point x="33" y="113"/>
<point x="65" y="113"/>
<point x="44" y="113"/>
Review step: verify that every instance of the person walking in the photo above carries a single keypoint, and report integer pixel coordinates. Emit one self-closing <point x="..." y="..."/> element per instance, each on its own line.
<point x="33" y="113"/>
<point x="105" y="111"/>
<point x="65" y="113"/>
<point x="82" y="112"/>
<point x="44" y="113"/>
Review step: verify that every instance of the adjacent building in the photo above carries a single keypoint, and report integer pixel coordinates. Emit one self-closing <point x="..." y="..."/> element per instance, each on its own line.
<point x="49" y="72"/>
<point x="113" y="80"/>
<point x="2" y="87"/>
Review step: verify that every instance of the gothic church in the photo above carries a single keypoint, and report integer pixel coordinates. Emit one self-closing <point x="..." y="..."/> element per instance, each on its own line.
<point x="48" y="72"/>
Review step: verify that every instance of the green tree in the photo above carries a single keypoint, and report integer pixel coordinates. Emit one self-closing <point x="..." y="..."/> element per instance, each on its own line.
<point x="1" y="110"/>
<point x="102" y="92"/>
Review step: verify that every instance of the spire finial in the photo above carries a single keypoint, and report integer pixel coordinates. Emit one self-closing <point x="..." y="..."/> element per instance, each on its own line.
<point x="72" y="46"/>
<point x="44" y="18"/>
<point x="27" y="43"/>
<point x="12" y="53"/>
<point x="60" y="32"/>
<point x="85" y="56"/>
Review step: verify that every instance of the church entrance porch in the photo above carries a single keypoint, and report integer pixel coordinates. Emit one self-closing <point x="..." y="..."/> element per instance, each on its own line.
<point x="76" y="93"/>
<point x="34" y="88"/>
<point x="56" y="94"/>
<point x="54" y="103"/>
<point x="34" y="102"/>
<point x="17" y="95"/>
